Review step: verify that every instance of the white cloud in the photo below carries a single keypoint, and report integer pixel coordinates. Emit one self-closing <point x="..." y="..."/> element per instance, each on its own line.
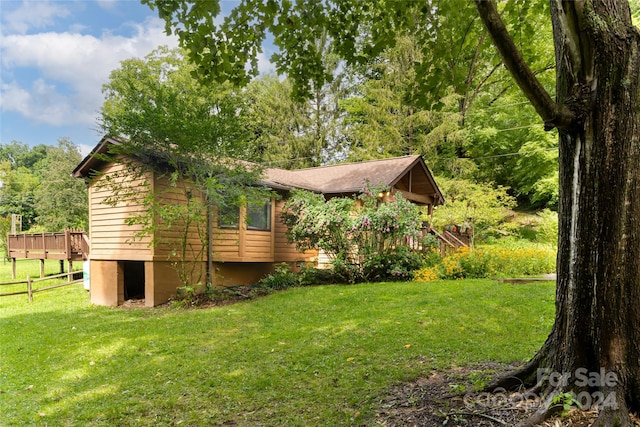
<point x="71" y="69"/>
<point x="85" y="149"/>
<point x="108" y="4"/>
<point x="33" y="14"/>
<point x="265" y="66"/>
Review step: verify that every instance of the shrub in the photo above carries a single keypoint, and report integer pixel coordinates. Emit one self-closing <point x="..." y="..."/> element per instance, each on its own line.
<point x="366" y="240"/>
<point x="309" y="275"/>
<point x="511" y="260"/>
<point x="547" y="227"/>
<point x="427" y="274"/>
<point x="282" y="278"/>
<point x="391" y="266"/>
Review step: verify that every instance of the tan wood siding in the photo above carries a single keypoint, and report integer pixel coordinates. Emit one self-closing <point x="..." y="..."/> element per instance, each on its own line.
<point x="169" y="238"/>
<point x="285" y="251"/>
<point x="242" y="245"/>
<point x="111" y="237"/>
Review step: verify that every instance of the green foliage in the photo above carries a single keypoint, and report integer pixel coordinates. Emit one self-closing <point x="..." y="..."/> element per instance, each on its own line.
<point x="186" y="296"/>
<point x="547" y="228"/>
<point x="511" y="149"/>
<point x="426" y="80"/>
<point x="506" y="260"/>
<point x="290" y="133"/>
<point x="37" y="184"/>
<point x="17" y="193"/>
<point x="482" y="207"/>
<point x="159" y="106"/>
<point x="5" y="229"/>
<point x="187" y="133"/>
<point x="564" y="402"/>
<point x="61" y="200"/>
<point x="384" y="119"/>
<point x="364" y="240"/>
<point x="282" y="278"/>
<point x="541" y="227"/>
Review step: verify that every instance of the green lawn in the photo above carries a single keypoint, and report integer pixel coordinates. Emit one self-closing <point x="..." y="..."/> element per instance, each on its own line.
<point x="31" y="267"/>
<point x="316" y="356"/>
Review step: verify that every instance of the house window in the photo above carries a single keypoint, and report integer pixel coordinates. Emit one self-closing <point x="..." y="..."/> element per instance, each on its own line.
<point x="259" y="217"/>
<point x="228" y="217"/>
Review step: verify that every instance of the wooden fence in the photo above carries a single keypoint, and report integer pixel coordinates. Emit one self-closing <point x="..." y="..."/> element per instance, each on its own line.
<point x="29" y="282"/>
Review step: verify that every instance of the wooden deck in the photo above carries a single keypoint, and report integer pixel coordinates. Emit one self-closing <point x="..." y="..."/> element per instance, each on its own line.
<point x="65" y="246"/>
<point x="68" y="245"/>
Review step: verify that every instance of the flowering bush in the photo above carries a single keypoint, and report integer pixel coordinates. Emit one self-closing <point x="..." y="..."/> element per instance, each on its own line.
<point x="364" y="238"/>
<point x="491" y="261"/>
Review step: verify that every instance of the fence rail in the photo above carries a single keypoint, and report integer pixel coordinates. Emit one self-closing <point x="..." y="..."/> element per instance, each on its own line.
<point x="29" y="282"/>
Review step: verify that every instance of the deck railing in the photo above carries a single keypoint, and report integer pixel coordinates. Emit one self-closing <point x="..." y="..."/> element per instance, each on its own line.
<point x="68" y="245"/>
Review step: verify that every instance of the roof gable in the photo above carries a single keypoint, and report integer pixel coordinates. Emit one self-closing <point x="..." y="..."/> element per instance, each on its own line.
<point x="409" y="174"/>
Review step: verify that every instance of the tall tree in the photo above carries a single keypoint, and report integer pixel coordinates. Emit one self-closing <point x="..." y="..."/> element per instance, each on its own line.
<point x="290" y="133"/>
<point x="61" y="200"/>
<point x="596" y="112"/>
<point x="19" y="180"/>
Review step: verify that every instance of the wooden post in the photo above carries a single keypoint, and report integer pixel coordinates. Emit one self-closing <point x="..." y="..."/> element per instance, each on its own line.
<point x="242" y="230"/>
<point x="13" y="268"/>
<point x="70" y="271"/>
<point x="67" y="244"/>
<point x="24" y="244"/>
<point x="44" y="246"/>
<point x="41" y="268"/>
<point x="29" y="289"/>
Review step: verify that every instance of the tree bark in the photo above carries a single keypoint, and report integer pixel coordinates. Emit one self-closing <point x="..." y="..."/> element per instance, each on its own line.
<point x="595" y="341"/>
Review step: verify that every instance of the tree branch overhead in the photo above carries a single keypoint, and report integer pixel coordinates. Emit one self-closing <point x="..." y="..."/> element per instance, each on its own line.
<point x="553" y="114"/>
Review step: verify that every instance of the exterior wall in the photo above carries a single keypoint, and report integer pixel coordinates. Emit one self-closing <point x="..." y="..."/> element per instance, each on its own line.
<point x="107" y="285"/>
<point x="283" y="250"/>
<point x="241" y="256"/>
<point x="161" y="282"/>
<point x="241" y="273"/>
<point x="111" y="238"/>
<point x="243" y="245"/>
<point x="169" y="237"/>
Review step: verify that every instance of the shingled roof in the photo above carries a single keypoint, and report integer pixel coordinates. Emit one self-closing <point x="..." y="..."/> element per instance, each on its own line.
<point x="350" y="178"/>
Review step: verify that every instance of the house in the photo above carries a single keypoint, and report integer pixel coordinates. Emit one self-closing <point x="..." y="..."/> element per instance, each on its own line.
<point x="126" y="265"/>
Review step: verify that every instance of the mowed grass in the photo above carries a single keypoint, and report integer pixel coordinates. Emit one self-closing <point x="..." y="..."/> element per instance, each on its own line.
<point x="315" y="356"/>
<point x="31" y="267"/>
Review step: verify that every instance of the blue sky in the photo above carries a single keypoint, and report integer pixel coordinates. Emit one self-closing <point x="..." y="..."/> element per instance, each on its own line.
<point x="54" y="58"/>
<point x="55" y="55"/>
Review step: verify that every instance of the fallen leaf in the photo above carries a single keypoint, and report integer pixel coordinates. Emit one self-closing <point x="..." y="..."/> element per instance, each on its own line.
<point x="350" y="359"/>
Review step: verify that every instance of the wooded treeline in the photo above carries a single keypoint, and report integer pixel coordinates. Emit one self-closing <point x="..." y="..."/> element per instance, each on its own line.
<point x="36" y="183"/>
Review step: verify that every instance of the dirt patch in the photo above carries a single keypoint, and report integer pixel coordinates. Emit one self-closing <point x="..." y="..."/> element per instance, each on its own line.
<point x="451" y="398"/>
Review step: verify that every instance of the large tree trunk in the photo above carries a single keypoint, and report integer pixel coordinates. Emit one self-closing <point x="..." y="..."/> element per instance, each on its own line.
<point x="595" y="341"/>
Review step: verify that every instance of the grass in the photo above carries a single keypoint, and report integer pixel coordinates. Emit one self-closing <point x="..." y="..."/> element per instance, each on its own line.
<point x="321" y="356"/>
<point x="31" y="267"/>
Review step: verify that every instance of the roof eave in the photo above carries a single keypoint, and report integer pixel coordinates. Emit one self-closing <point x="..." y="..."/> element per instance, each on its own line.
<point x="87" y="164"/>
